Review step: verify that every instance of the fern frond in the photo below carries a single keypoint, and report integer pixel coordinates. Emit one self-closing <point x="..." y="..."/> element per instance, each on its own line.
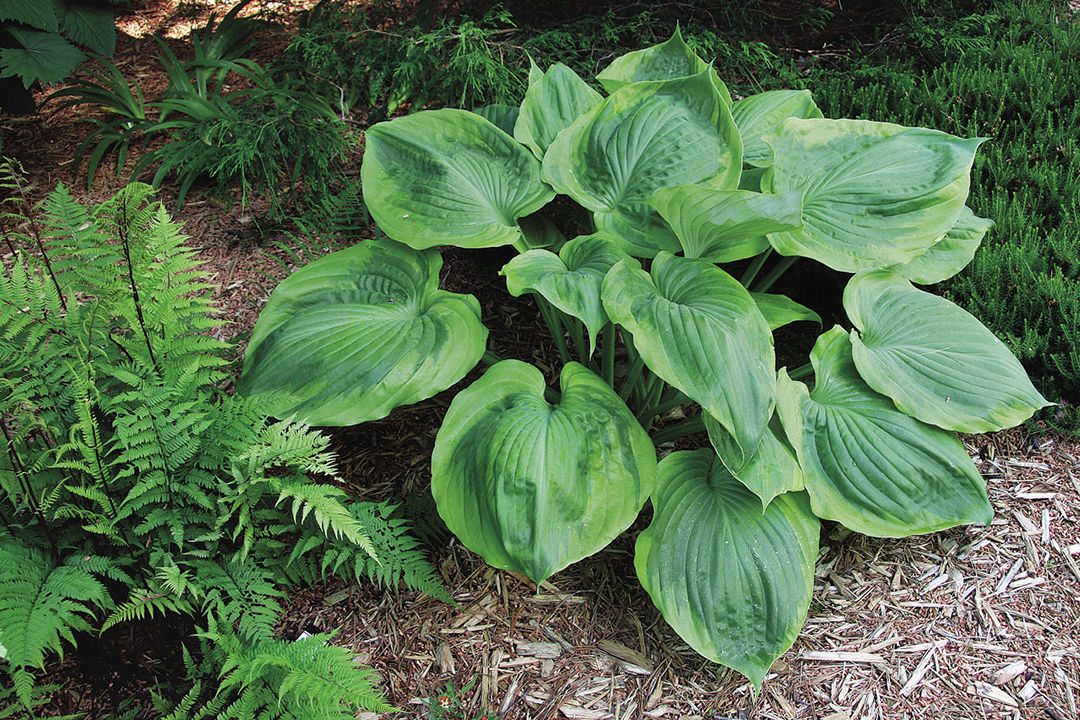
<point x="41" y="605"/>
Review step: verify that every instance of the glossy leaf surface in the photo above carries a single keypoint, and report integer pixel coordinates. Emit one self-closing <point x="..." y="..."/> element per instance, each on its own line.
<point x="874" y="194"/>
<point x="780" y="310"/>
<point x="868" y="465"/>
<point x="533" y="487"/>
<point x="449" y="177"/>
<point x="668" y="60"/>
<point x="725" y="225"/>
<point x="358" y="333"/>
<point x="644" y="137"/>
<point x="733" y="581"/>
<point x="772" y="470"/>
<point x="951" y="253"/>
<point x="758" y="114"/>
<point x="552" y="102"/>
<point x="570" y="280"/>
<point x="700" y="331"/>
<point x="934" y="359"/>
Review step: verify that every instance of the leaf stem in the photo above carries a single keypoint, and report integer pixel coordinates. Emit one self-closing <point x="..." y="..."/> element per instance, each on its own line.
<point x="551" y="318"/>
<point x="607" y="359"/>
<point x="774" y="274"/>
<point x="801" y="371"/>
<point x="690" y="426"/>
<point x="755" y="267"/>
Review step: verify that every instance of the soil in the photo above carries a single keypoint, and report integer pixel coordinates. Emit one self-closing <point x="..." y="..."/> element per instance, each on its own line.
<point x="975" y="622"/>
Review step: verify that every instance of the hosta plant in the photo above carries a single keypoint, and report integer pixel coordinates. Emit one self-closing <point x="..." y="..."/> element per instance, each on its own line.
<point x="694" y="208"/>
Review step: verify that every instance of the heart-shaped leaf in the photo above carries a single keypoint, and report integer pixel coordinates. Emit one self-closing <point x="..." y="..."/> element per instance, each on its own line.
<point x="358" y="333"/>
<point x="935" y="360"/>
<point x="951" y="253"/>
<point x="533" y="487"/>
<point x="780" y="310"/>
<point x="772" y="470"/>
<point x="644" y="137"/>
<point x="668" y="60"/>
<point x="758" y="114"/>
<point x="874" y="194"/>
<point x="725" y="225"/>
<point x="570" y="280"/>
<point x="699" y="330"/>
<point x="868" y="465"/>
<point x="551" y="104"/>
<point x="733" y="581"/>
<point x="449" y="177"/>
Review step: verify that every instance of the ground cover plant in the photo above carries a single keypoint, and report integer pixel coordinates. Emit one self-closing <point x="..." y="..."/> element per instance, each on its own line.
<point x="672" y="180"/>
<point x="133" y="488"/>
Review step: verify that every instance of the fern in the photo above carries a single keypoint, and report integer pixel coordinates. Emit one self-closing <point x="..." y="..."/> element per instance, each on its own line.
<point x="307" y="679"/>
<point x="42" y="603"/>
<point x="397" y="556"/>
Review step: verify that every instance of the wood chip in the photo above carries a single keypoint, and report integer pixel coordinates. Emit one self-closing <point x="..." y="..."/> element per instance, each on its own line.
<point x="989" y="692"/>
<point x="539" y="649"/>
<point x="1009" y="673"/>
<point x="632" y="657"/>
<point x="842" y="657"/>
<point x="919" y="673"/>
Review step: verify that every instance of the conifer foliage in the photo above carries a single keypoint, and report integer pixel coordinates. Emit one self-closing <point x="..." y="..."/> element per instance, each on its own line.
<point x="132" y="487"/>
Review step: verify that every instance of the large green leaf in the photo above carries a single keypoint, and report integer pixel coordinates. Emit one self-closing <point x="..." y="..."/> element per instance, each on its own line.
<point x="449" y="177"/>
<point x="358" y="333"/>
<point x="733" y="581"/>
<point x="533" y="487"/>
<point x="951" y="253"/>
<point x="725" y="225"/>
<point x="551" y="104"/>
<point x="935" y="360"/>
<point x="874" y="194"/>
<point x="759" y="114"/>
<point x="570" y="280"/>
<point x="868" y="465"/>
<point x="501" y="116"/>
<point x="644" y="137"/>
<point x="91" y="26"/>
<point x="668" y="60"/>
<point x="699" y="330"/>
<point x="44" y="57"/>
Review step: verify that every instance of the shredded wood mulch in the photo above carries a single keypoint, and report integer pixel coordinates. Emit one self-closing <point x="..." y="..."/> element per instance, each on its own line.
<point x="972" y="623"/>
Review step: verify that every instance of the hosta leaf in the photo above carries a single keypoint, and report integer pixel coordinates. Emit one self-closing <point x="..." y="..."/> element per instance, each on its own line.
<point x="935" y="360"/>
<point x="668" y="60"/>
<point x="951" y="253"/>
<point x="700" y="331"/>
<point x="570" y="280"/>
<point x="725" y="225"/>
<point x="868" y="465"/>
<point x="501" y="116"/>
<point x="40" y="14"/>
<point x="533" y="487"/>
<point x="772" y="470"/>
<point x="44" y="57"/>
<point x="874" y="194"/>
<point x="780" y="310"/>
<point x="644" y="137"/>
<point x="91" y="26"/>
<point x="758" y="114"/>
<point x="449" y="177"/>
<point x="552" y="102"/>
<point x="358" y="333"/>
<point x="733" y="581"/>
